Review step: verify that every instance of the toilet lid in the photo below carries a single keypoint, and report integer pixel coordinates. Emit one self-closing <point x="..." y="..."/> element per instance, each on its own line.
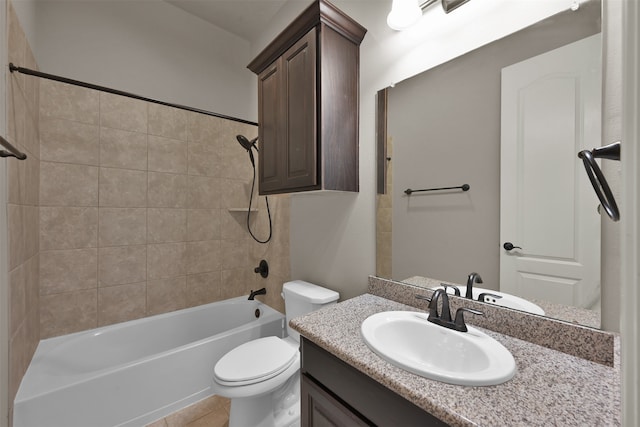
<point x="255" y="361"/>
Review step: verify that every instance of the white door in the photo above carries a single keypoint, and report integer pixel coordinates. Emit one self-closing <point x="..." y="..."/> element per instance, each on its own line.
<point x="551" y="110"/>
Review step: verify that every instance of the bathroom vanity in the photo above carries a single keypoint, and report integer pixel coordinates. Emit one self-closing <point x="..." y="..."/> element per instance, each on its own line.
<point x="345" y="383"/>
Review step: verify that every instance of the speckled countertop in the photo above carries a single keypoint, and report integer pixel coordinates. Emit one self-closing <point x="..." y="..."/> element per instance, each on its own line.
<point x="549" y="388"/>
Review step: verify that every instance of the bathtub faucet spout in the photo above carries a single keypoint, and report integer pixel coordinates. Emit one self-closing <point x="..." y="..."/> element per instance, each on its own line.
<point x="253" y="294"/>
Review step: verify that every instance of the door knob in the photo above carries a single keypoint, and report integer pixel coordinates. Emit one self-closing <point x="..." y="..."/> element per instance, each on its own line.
<point x="509" y="246"/>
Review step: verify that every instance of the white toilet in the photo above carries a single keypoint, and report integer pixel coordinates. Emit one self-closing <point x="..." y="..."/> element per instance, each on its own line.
<point x="262" y="377"/>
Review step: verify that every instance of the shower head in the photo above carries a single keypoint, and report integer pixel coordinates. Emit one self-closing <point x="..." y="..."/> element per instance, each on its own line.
<point x="246" y="144"/>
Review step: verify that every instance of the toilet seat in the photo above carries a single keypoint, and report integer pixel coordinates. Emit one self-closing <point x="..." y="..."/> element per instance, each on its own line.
<point x="255" y="361"/>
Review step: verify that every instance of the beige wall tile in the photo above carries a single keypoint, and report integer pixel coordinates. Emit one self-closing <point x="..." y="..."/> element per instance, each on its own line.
<point x="167" y="155"/>
<point x="31" y="191"/>
<point x="32" y="290"/>
<point x="203" y="224"/>
<point x="31" y="141"/>
<point x="204" y="192"/>
<point x="164" y="295"/>
<point x="68" y="227"/>
<point x="168" y="122"/>
<point x="384" y="200"/>
<point x="235" y="254"/>
<point x="383" y="219"/>
<point x="166" y="260"/>
<point x="122" y="226"/>
<point x="17" y="112"/>
<point x="236" y="163"/>
<point x="121" y="303"/>
<point x="383" y="254"/>
<point x="122" y="265"/>
<point x="237" y="282"/>
<point x="17" y="298"/>
<point x="18" y="345"/>
<point x="16" y="224"/>
<point x="167" y="190"/>
<point x="64" y="184"/>
<point x="203" y="288"/>
<point x="204" y="159"/>
<point x="68" y="312"/>
<point x="68" y="102"/>
<point x="17" y="42"/>
<point x="31" y="83"/>
<point x="68" y="270"/>
<point x="16" y="178"/>
<point x="119" y="112"/>
<point x="206" y="129"/>
<point x="166" y="225"/>
<point x="24" y="181"/>
<point x="233" y="225"/>
<point x="122" y="188"/>
<point x="32" y="235"/>
<point x="236" y="193"/>
<point x="123" y="149"/>
<point x="203" y="257"/>
<point x="69" y="142"/>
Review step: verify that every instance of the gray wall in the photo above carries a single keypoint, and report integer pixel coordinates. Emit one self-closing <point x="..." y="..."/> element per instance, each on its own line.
<point x="445" y="126"/>
<point x="150" y="48"/>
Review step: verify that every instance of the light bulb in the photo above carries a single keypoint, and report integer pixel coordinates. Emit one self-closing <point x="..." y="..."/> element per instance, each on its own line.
<point x="404" y="13"/>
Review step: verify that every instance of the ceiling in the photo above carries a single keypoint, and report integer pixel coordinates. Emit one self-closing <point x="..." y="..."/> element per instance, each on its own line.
<point x="244" y="18"/>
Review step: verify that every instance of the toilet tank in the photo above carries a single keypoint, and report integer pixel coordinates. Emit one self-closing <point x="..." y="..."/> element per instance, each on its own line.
<point x="302" y="297"/>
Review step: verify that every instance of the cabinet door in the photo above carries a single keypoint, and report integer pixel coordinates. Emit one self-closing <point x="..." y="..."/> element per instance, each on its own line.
<point x="320" y="409"/>
<point x="300" y="159"/>
<point x="271" y="129"/>
<point x="287" y="116"/>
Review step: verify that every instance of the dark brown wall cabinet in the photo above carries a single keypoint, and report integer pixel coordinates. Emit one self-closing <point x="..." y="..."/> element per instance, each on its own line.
<point x="335" y="394"/>
<point x="308" y="89"/>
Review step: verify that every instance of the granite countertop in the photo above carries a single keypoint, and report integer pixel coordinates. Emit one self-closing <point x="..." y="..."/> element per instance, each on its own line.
<point x="549" y="388"/>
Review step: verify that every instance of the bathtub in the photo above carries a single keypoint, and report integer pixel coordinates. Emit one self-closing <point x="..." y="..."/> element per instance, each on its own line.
<point x="133" y="373"/>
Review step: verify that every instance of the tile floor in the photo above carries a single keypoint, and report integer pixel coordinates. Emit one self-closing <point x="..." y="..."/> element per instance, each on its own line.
<point x="209" y="412"/>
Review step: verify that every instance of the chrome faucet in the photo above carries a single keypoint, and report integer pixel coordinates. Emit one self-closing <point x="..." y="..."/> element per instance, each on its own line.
<point x="473" y="278"/>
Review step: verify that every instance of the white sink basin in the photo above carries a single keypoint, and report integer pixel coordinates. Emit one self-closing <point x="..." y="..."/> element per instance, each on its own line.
<point x="406" y="339"/>
<point x="507" y="300"/>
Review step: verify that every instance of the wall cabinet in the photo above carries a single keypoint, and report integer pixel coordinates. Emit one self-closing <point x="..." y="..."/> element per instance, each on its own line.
<point x="333" y="393"/>
<point x="308" y="90"/>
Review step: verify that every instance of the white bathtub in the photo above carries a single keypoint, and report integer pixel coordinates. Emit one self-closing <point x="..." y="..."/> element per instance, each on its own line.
<point x="133" y="373"/>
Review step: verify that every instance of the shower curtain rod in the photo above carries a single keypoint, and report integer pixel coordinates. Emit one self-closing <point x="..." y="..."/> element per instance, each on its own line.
<point x="35" y="73"/>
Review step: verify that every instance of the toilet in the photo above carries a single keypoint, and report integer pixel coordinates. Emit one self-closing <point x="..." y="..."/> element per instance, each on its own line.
<point x="262" y="377"/>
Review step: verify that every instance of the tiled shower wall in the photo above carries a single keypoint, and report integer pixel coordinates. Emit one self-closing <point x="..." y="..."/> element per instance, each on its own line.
<point x="384" y="216"/>
<point x="124" y="209"/>
<point x="138" y="211"/>
<point x="22" y="208"/>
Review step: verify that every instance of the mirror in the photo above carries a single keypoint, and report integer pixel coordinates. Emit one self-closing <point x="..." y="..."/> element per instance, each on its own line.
<point x="444" y="129"/>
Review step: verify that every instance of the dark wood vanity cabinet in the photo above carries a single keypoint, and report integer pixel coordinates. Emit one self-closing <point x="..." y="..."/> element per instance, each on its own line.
<point x="308" y="89"/>
<point x="333" y="393"/>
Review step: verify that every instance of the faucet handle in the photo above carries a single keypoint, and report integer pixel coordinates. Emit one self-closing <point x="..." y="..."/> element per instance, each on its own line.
<point x="446" y="287"/>
<point x="459" y="324"/>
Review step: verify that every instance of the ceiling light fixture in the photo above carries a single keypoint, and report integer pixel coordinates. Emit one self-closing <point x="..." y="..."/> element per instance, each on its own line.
<point x="405" y="13"/>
